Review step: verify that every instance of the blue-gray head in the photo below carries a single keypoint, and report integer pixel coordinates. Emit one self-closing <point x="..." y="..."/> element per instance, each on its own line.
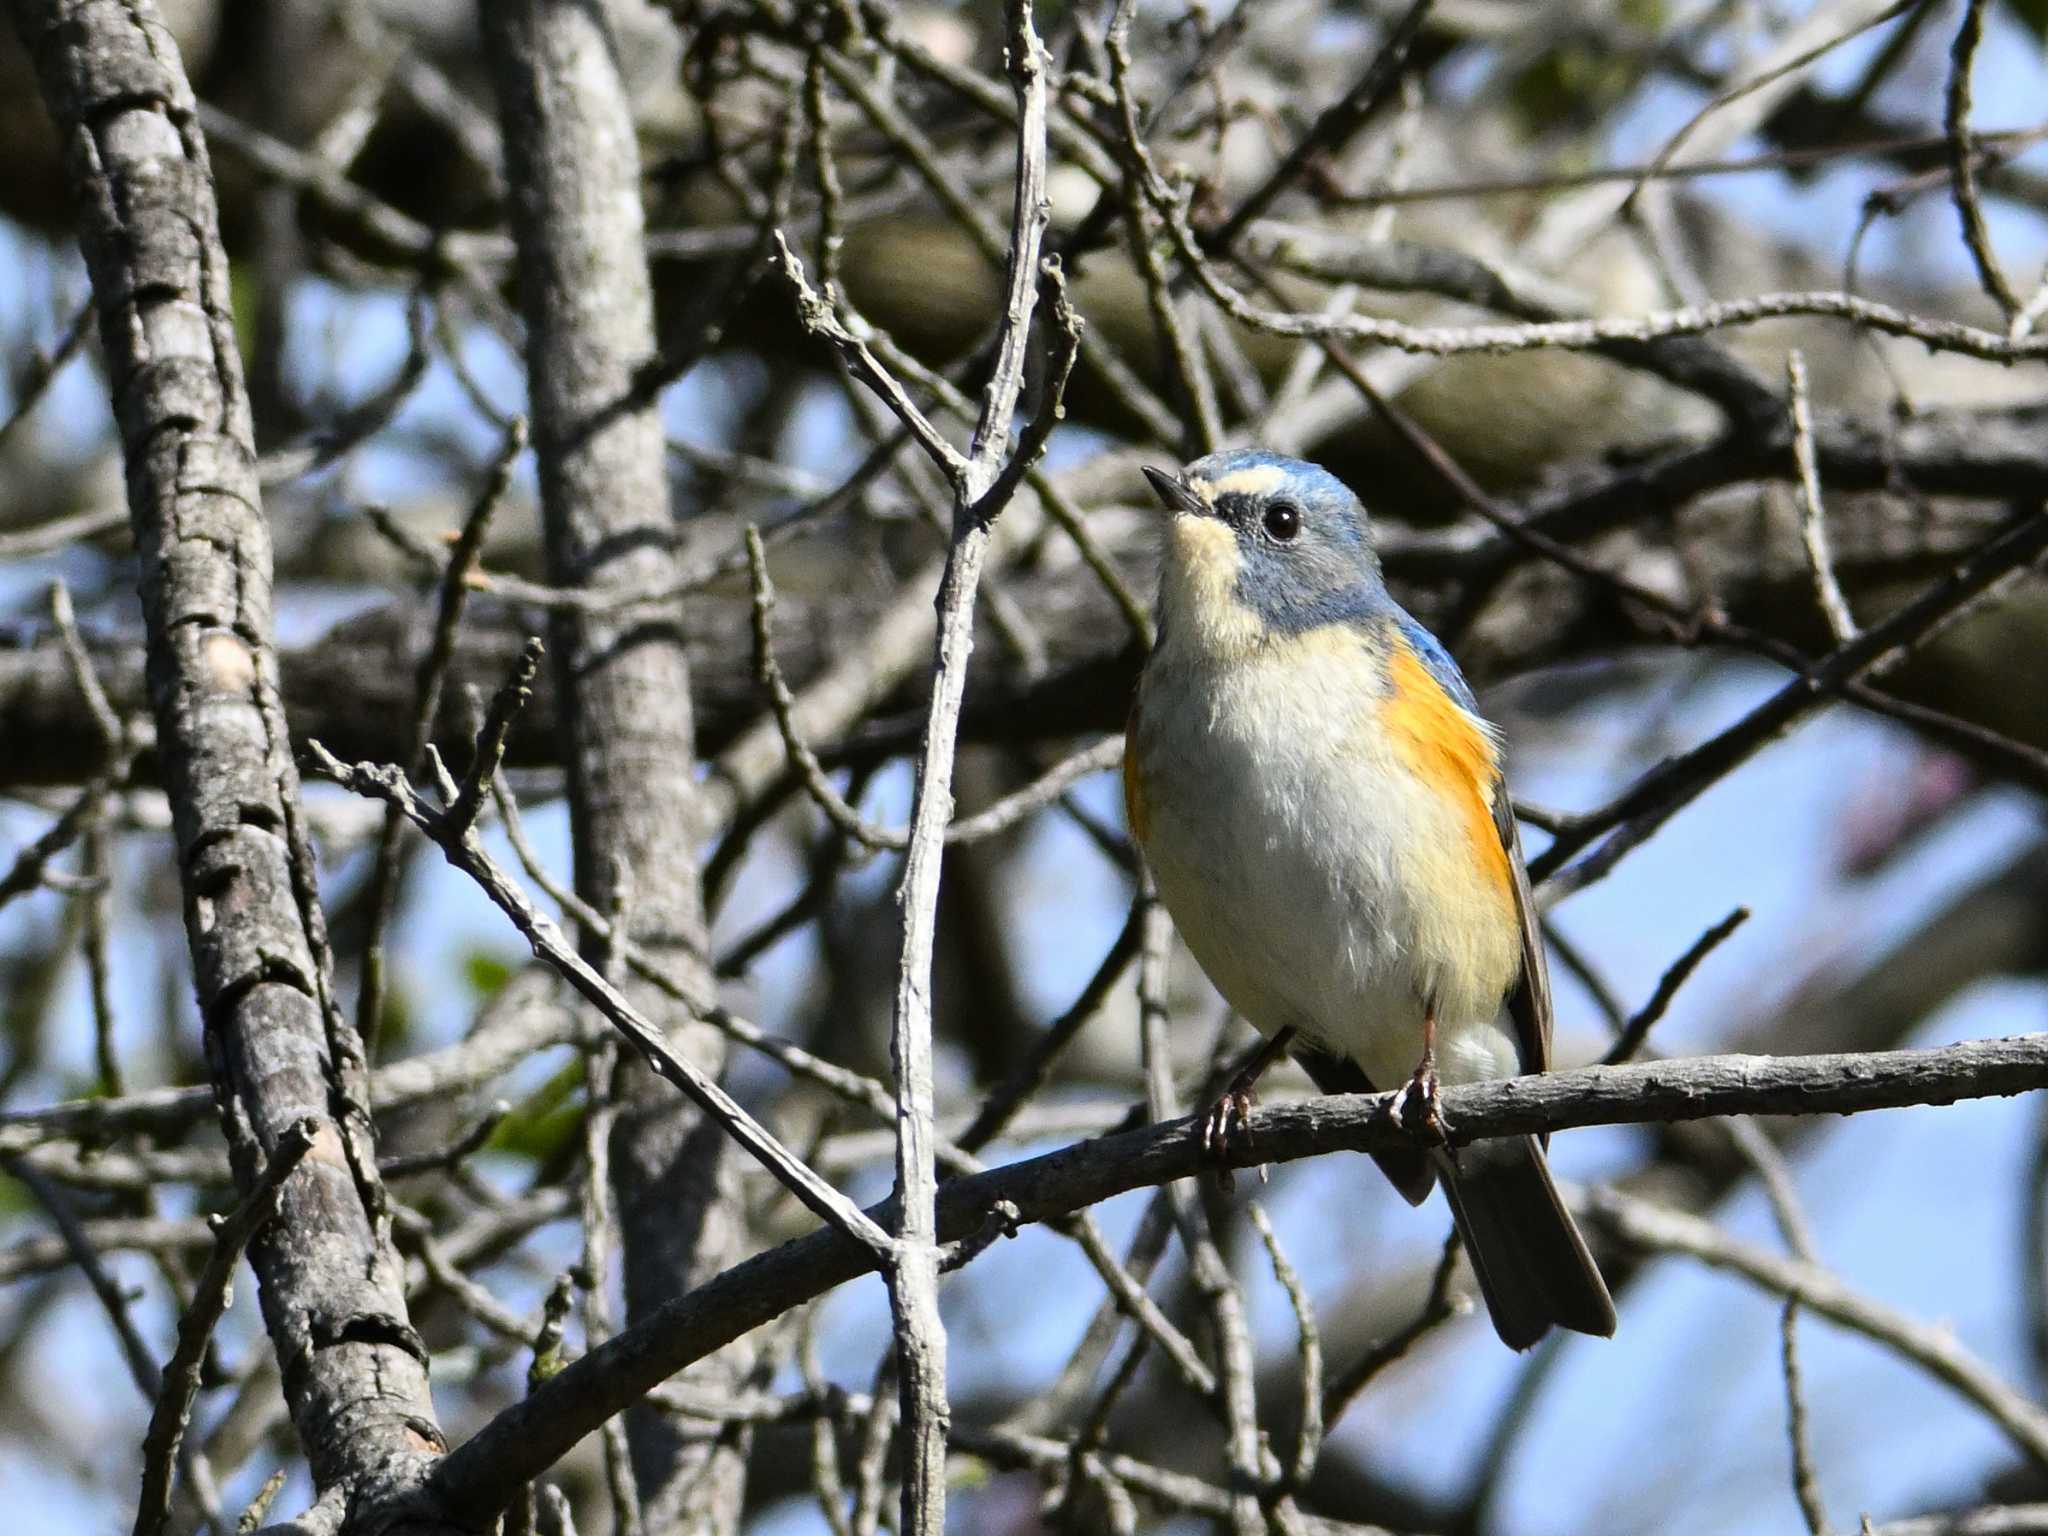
<point x="1263" y="545"/>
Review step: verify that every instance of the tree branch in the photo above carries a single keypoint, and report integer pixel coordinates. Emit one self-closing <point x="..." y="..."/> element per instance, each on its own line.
<point x="465" y="850"/>
<point x="913" y="1273"/>
<point x="526" y="1438"/>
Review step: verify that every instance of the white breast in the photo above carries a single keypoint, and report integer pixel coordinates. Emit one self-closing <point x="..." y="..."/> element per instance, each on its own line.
<point x="1276" y="814"/>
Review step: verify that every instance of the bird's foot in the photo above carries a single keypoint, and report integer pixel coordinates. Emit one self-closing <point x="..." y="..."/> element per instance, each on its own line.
<point x="1418" y="1109"/>
<point x="1231" y="1115"/>
<point x="1227" y="1122"/>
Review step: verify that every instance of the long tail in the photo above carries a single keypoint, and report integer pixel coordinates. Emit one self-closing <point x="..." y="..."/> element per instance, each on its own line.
<point x="1533" y="1267"/>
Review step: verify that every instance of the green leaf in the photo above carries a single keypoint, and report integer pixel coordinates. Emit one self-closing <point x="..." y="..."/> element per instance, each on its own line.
<point x="486" y="971"/>
<point x="540" y="1125"/>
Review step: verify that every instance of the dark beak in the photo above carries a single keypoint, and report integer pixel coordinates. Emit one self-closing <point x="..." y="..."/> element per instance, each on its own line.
<point x="1174" y="492"/>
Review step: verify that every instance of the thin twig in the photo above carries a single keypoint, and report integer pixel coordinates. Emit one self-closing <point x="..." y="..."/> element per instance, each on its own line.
<point x="1127" y="1294"/>
<point x="1637" y="1030"/>
<point x="1189" y="372"/>
<point x="821" y="320"/>
<point x="96" y="915"/>
<point x="769" y="673"/>
<point x="1985" y="1520"/>
<point x="826" y="1479"/>
<point x="599" y="1223"/>
<point x="1813" y="527"/>
<point x="1778" y="71"/>
<point x="1233" y="1401"/>
<point x="252" y="1517"/>
<point x="31" y="865"/>
<point x="1337" y="123"/>
<point x="453" y="830"/>
<point x="440" y="1159"/>
<point x="1693" y="363"/>
<point x="1084" y="1363"/>
<point x="1934" y="1349"/>
<point x="172" y="1414"/>
<point x="59" y="532"/>
<point x="1763" y="1155"/>
<point x="450" y="600"/>
<point x="1962" y="159"/>
<point x="30" y="383"/>
<point x="1308" y="1434"/>
<point x="1797" y="159"/>
<point x="1662" y="791"/>
<point x="358" y="425"/>
<point x="1004" y="1447"/>
<point x="65" y="619"/>
<point x="1690" y="320"/>
<point x="912" y="1270"/>
<point x="877" y="1428"/>
<point x="80" y="1246"/>
<point x="1441" y="1305"/>
<point x="1031" y="1074"/>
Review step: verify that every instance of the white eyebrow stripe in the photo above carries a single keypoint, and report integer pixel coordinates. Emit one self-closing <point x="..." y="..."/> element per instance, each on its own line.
<point x="1257" y="480"/>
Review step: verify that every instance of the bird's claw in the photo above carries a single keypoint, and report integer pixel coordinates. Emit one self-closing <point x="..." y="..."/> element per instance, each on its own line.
<point x="1228" y="1119"/>
<point x="1423" y="1100"/>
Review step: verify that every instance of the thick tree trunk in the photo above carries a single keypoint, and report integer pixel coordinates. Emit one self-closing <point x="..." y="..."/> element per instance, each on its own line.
<point x="624" y="683"/>
<point x="354" y="1371"/>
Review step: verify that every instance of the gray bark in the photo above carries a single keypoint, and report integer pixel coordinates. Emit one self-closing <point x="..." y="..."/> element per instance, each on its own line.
<point x="626" y="725"/>
<point x="354" y="1371"/>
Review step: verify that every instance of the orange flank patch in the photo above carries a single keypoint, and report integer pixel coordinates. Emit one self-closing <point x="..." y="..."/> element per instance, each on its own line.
<point x="1445" y="748"/>
<point x="1135" y="815"/>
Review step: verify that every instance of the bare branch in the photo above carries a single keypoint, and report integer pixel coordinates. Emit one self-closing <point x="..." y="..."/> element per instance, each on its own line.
<point x="1655" y="797"/>
<point x="1337" y="122"/>
<point x="1439" y="1307"/>
<point x="211" y="1293"/>
<point x="1308" y="1434"/>
<point x="1692" y="320"/>
<point x="913" y="1268"/>
<point x="1936" y="1350"/>
<point x="451" y="598"/>
<point x="1963" y="169"/>
<point x="818" y="317"/>
<point x="1813" y="527"/>
<point x="1779" y="69"/>
<point x="79" y="1245"/>
<point x="465" y="850"/>
<point x="524" y="1440"/>
<point x="1637" y="1029"/>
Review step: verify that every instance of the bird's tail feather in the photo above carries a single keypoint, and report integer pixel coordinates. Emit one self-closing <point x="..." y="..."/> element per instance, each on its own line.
<point x="1533" y="1267"/>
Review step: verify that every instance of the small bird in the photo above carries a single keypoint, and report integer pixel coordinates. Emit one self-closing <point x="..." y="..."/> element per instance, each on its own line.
<point x="1323" y="812"/>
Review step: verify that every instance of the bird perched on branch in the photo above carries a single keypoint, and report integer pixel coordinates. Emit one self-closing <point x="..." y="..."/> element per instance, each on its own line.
<point x="1322" y="809"/>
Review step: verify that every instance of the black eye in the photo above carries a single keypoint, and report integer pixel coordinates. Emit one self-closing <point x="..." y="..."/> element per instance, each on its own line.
<point x="1283" y="521"/>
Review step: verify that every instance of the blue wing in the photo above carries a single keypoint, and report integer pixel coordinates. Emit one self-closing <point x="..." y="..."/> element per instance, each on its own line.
<point x="1430" y="652"/>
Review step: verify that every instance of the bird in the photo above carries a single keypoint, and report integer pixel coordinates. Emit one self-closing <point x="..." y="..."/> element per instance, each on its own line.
<point x="1323" y="812"/>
